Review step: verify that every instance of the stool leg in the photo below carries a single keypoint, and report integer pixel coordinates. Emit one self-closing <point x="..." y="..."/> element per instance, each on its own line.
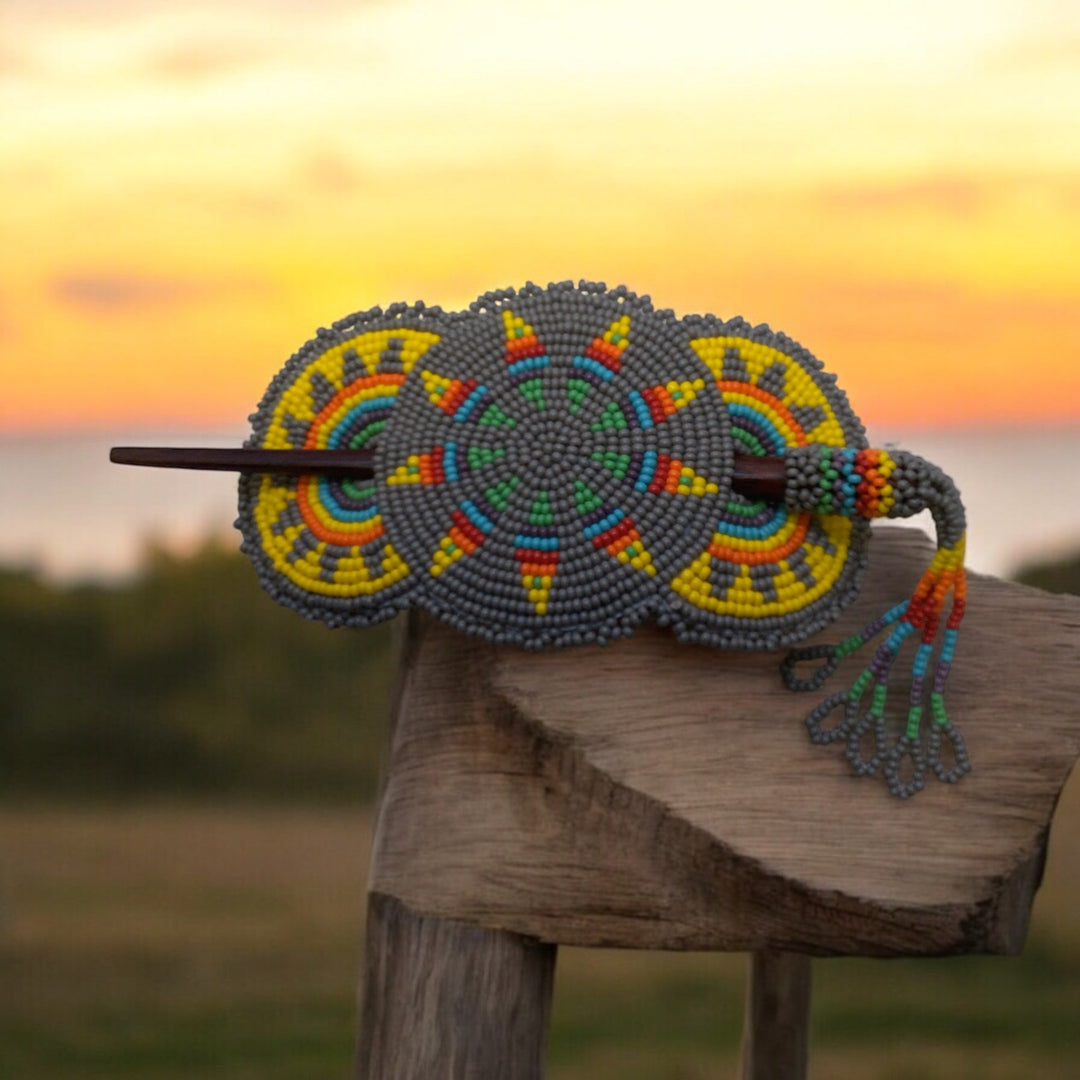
<point x="445" y="999"/>
<point x="775" y="1032"/>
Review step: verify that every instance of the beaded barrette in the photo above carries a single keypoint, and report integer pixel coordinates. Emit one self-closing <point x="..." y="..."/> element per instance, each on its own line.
<point x="554" y="465"/>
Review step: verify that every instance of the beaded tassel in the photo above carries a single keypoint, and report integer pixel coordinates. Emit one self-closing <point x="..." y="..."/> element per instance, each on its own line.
<point x="876" y="483"/>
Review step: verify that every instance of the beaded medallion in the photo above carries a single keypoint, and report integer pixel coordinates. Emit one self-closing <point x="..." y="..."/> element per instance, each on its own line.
<point x="552" y="467"/>
<point x="557" y="464"/>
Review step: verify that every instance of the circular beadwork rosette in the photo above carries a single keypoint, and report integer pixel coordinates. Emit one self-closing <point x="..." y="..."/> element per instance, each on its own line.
<point x="771" y="575"/>
<point x="320" y="544"/>
<point x="552" y="467"/>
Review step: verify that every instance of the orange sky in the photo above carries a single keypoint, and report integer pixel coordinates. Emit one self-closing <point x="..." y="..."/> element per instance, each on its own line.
<point x="186" y="194"/>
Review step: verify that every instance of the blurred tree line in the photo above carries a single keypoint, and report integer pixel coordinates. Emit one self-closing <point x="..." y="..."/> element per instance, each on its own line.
<point x="189" y="680"/>
<point x="1056" y="575"/>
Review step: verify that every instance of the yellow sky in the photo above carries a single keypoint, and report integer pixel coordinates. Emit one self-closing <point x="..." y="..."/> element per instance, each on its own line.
<point x="188" y="191"/>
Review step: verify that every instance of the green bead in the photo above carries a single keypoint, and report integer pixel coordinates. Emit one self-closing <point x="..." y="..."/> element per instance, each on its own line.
<point x="617" y="464"/>
<point x="860" y="684"/>
<point x="914" y="722"/>
<point x="849" y="645"/>
<point x="541" y="510"/>
<point x="877" y="705"/>
<point x="533" y="391"/>
<point x="585" y="499"/>
<point x="749" y="441"/>
<point x="495" y="417"/>
<point x="937" y="707"/>
<point x="611" y="418"/>
<point x="751" y="510"/>
<point x="576" y="391"/>
<point x="499" y="495"/>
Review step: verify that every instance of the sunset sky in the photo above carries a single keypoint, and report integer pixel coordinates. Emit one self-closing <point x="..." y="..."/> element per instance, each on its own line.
<point x="188" y="190"/>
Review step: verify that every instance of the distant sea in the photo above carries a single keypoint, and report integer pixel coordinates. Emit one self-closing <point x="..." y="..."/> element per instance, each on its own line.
<point x="71" y="515"/>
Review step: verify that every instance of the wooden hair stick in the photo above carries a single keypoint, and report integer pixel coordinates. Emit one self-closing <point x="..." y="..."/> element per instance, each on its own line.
<point x="754" y="477"/>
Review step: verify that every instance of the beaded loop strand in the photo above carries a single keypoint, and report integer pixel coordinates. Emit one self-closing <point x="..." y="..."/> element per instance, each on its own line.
<point x="879" y="483"/>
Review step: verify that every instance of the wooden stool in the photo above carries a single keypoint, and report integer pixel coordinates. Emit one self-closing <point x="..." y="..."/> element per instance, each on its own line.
<point x="652" y="795"/>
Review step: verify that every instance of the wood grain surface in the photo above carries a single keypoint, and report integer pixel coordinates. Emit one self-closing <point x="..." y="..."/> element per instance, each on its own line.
<point x="442" y="999"/>
<point x="776" y="1025"/>
<point x="656" y="795"/>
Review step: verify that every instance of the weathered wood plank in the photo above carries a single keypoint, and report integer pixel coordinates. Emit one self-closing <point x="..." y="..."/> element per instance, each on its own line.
<point x="657" y="795"/>
<point x="442" y="999"/>
<point x="776" y="1028"/>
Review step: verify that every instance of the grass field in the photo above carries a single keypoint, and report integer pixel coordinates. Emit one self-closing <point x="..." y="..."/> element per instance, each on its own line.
<point x="160" y="942"/>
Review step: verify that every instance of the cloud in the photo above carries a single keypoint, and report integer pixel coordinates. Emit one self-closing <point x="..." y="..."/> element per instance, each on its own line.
<point x="121" y="292"/>
<point x="7" y="324"/>
<point x="954" y="196"/>
<point x="106" y="11"/>
<point x="199" y="61"/>
<point x="331" y="173"/>
<point x="1038" y="55"/>
<point x="12" y="63"/>
<point x="942" y="312"/>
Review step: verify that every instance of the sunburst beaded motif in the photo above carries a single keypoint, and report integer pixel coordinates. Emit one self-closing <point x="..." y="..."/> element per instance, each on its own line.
<point x="554" y="464"/>
<point x="772" y="572"/>
<point x="320" y="544"/>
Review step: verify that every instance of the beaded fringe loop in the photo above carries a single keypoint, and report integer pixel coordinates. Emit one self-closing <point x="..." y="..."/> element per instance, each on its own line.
<point x="879" y="483"/>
